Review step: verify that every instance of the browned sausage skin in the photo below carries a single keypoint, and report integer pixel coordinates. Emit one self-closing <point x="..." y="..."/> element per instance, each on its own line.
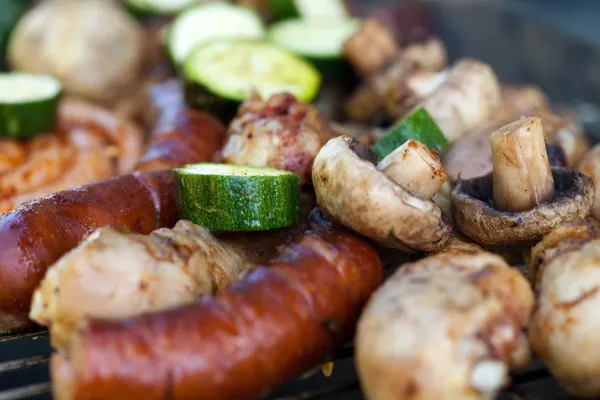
<point x="38" y="233"/>
<point x="35" y="235"/>
<point x="279" y="321"/>
<point x="181" y="135"/>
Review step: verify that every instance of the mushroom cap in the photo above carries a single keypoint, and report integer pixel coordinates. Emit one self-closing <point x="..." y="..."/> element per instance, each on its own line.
<point x="476" y="217"/>
<point x="351" y="190"/>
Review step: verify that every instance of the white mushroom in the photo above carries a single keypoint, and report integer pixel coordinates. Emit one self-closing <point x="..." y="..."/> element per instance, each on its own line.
<point x="356" y="194"/>
<point x="564" y="328"/>
<point x="468" y="96"/>
<point x="449" y="326"/>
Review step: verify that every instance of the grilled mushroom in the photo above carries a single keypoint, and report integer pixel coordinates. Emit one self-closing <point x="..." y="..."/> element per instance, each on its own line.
<point x="449" y="326"/>
<point x="468" y="96"/>
<point x="590" y="165"/>
<point x="395" y="79"/>
<point x="523" y="198"/>
<point x="564" y="328"/>
<point x="352" y="191"/>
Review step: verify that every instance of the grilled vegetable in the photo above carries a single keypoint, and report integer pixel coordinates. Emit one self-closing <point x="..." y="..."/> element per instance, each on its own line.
<point x="28" y="104"/>
<point x="319" y="41"/>
<point x="416" y="168"/>
<point x="12" y="10"/>
<point x="206" y="22"/>
<point x="158" y="7"/>
<point x="224" y="197"/>
<point x="309" y="9"/>
<point x="354" y="193"/>
<point x="222" y="74"/>
<point x="93" y="47"/>
<point x="522" y="175"/>
<point x="419" y="126"/>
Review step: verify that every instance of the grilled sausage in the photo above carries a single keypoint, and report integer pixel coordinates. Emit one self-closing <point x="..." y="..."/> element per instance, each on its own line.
<point x="181" y="135"/>
<point x="446" y="327"/>
<point x="279" y="321"/>
<point x="37" y="234"/>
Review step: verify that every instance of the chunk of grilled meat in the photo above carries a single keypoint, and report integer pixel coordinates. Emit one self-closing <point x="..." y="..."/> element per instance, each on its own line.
<point x="279" y="132"/>
<point x="117" y="274"/>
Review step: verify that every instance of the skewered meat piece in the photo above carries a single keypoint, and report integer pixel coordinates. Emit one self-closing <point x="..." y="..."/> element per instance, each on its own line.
<point x="279" y="132"/>
<point x="118" y="274"/>
<point x="447" y="327"/>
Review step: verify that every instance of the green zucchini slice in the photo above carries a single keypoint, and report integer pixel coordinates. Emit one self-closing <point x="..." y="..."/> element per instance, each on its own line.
<point x="319" y="41"/>
<point x="224" y="197"/>
<point x="222" y="74"/>
<point x="419" y="126"/>
<point x="28" y="104"/>
<point x="308" y="9"/>
<point x="158" y="7"/>
<point x="206" y="22"/>
<point x="11" y="12"/>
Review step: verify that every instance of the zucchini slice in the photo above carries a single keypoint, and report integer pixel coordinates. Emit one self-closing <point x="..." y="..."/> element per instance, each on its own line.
<point x="419" y="126"/>
<point x="222" y="74"/>
<point x="225" y="197"/>
<point x="317" y="40"/>
<point x="28" y="104"/>
<point x="158" y="7"/>
<point x="308" y="9"/>
<point x="12" y="11"/>
<point x="203" y="23"/>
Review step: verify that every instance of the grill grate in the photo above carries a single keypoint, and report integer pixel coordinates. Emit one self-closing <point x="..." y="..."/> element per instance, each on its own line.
<point x="24" y="375"/>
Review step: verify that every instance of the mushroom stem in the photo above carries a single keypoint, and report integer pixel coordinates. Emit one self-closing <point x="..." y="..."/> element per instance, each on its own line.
<point x="522" y="175"/>
<point x="416" y="168"/>
<point x="370" y="48"/>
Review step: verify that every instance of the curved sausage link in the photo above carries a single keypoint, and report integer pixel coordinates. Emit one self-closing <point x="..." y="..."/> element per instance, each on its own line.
<point x="279" y="321"/>
<point x="35" y="235"/>
<point x="181" y="135"/>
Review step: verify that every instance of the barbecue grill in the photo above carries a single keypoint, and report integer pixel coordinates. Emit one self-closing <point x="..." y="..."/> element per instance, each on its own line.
<point x="521" y="50"/>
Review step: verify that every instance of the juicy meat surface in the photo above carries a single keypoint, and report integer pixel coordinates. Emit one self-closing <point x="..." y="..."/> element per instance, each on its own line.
<point x="117" y="274"/>
<point x="279" y="132"/>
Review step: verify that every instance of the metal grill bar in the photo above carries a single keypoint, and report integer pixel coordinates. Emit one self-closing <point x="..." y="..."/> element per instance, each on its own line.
<point x="26" y="392"/>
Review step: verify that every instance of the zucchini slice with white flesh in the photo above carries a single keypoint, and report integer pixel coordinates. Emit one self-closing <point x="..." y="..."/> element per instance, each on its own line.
<point x="28" y="104"/>
<point x="158" y="7"/>
<point x="309" y="9"/>
<point x="319" y="41"/>
<point x="206" y="22"/>
<point x="225" y="197"/>
<point x="222" y="74"/>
